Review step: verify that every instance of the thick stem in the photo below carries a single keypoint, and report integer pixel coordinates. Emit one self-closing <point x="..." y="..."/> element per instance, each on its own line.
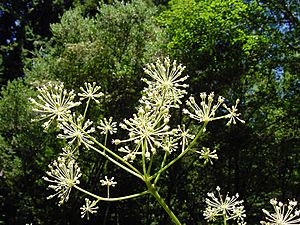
<point x="225" y="220"/>
<point x="161" y="201"/>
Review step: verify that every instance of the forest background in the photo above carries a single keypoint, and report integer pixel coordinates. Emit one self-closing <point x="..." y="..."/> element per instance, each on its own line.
<point x="238" y="49"/>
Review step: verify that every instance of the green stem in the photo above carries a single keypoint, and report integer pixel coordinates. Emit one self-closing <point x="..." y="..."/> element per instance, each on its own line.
<point x="143" y="158"/>
<point x="181" y="154"/>
<point x="117" y="163"/>
<point x="225" y="220"/>
<point x="105" y="140"/>
<point x="113" y="154"/>
<point x="162" y="165"/>
<point x="110" y="199"/>
<point x="150" y="165"/>
<point x="161" y="201"/>
<point x="86" y="107"/>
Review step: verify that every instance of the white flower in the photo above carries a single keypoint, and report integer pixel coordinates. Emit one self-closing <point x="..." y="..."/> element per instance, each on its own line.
<point x="147" y="128"/>
<point x="90" y="92"/>
<point x="169" y="144"/>
<point x="131" y="155"/>
<point x="284" y="214"/>
<point x="89" y="208"/>
<point x="233" y="115"/>
<point x="185" y="136"/>
<point x="54" y="102"/>
<point x="206" y="111"/>
<point x="207" y="155"/>
<point x="166" y="82"/>
<point x="108" y="182"/>
<point x="229" y="207"/>
<point x="74" y="129"/>
<point x="63" y="175"/>
<point x="107" y="126"/>
<point x="68" y="152"/>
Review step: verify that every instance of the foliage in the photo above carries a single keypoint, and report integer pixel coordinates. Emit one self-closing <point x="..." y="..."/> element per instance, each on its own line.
<point x="22" y="161"/>
<point x="246" y="49"/>
<point x="110" y="47"/>
<point x="24" y="27"/>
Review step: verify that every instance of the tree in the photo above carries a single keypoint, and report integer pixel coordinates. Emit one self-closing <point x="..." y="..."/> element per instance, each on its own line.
<point x="23" y="28"/>
<point x="245" y="49"/>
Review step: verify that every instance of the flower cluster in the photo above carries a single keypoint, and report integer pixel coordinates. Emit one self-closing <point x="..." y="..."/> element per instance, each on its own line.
<point x="107" y="126"/>
<point x="147" y="129"/>
<point x="68" y="152"/>
<point x="108" y="182"/>
<point x="185" y="135"/>
<point x="233" y="114"/>
<point x="90" y="92"/>
<point x="165" y="84"/>
<point x="76" y="129"/>
<point x="228" y="208"/>
<point x="89" y="208"/>
<point x="63" y="175"/>
<point x="207" y="155"/>
<point x="284" y="214"/>
<point x="54" y="102"/>
<point x="206" y="111"/>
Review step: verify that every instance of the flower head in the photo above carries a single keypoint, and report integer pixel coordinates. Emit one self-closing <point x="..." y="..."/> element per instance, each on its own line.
<point x="76" y="129"/>
<point x="207" y="155"/>
<point x="206" y="111"/>
<point x="108" y="182"/>
<point x="90" y="92"/>
<point x="89" y="208"/>
<point x="54" y="102"/>
<point x="130" y="155"/>
<point x="107" y="126"/>
<point x="68" y="152"/>
<point x="63" y="175"/>
<point x="229" y="207"/>
<point x="147" y="128"/>
<point x="169" y="144"/>
<point x="284" y="214"/>
<point x="233" y="115"/>
<point x="184" y="135"/>
<point x="166" y="82"/>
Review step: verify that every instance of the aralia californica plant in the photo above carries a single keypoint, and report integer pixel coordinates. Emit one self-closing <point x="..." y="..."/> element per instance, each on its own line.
<point x="150" y="141"/>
